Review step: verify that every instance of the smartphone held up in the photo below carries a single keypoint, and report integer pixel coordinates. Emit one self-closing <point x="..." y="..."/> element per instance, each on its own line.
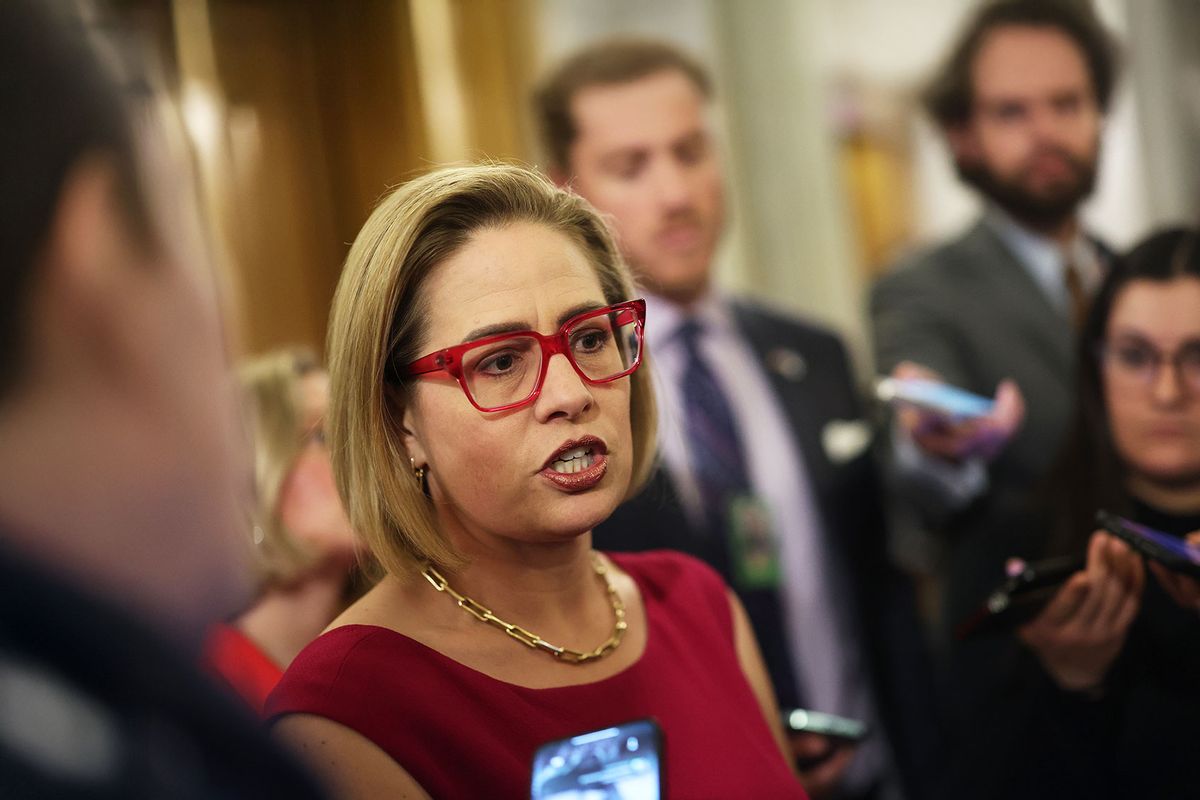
<point x="934" y="397"/>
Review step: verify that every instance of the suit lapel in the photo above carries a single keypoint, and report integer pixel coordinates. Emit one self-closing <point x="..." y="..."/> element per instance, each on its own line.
<point x="793" y="374"/>
<point x="811" y="399"/>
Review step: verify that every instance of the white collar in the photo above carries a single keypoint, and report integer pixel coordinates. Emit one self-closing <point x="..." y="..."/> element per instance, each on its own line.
<point x="664" y="317"/>
<point x="1041" y="256"/>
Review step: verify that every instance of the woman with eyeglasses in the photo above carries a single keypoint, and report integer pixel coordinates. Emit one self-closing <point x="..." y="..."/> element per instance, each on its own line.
<point x="1104" y="696"/>
<point x="303" y="547"/>
<point x="490" y="405"/>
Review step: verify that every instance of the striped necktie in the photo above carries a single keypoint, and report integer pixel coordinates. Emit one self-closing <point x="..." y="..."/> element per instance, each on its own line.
<point x="1077" y="296"/>
<point x="717" y="459"/>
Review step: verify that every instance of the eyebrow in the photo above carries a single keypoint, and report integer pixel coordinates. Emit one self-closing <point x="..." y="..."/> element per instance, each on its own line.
<point x="582" y="308"/>
<point x="520" y="327"/>
<point x="623" y="157"/>
<point x="692" y="137"/>
<point x="1137" y="337"/>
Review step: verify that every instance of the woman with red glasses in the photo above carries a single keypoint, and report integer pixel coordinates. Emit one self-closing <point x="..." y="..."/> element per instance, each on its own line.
<point x="1102" y="698"/>
<point x="489" y="407"/>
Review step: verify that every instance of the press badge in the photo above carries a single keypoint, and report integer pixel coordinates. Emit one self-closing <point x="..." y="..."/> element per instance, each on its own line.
<point x="754" y="552"/>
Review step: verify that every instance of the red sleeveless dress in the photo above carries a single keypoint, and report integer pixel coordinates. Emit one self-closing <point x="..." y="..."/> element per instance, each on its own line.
<point x="463" y="734"/>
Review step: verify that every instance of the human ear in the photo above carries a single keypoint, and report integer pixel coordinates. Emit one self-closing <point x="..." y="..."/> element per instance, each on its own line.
<point x="412" y="438"/>
<point x="85" y="227"/>
<point x="87" y="265"/>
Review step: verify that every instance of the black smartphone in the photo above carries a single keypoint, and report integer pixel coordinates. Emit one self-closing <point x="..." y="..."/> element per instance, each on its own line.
<point x="1170" y="551"/>
<point x="1024" y="592"/>
<point x="831" y="726"/>
<point x="625" y="761"/>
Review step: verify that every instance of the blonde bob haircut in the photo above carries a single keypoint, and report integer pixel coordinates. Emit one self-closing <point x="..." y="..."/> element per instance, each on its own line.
<point x="274" y="405"/>
<point x="378" y="323"/>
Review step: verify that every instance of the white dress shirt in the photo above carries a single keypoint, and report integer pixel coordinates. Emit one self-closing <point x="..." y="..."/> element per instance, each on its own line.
<point x="1046" y="261"/>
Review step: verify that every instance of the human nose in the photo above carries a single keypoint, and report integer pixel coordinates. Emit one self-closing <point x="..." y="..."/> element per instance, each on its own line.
<point x="564" y="393"/>
<point x="673" y="184"/>
<point x="1167" y="382"/>
<point x="1044" y="123"/>
<point x="1058" y="123"/>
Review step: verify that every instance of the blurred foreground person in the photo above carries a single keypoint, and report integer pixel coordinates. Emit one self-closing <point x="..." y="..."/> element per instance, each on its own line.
<point x="487" y="411"/>
<point x="1100" y="696"/>
<point x="119" y="461"/>
<point x="304" y="547"/>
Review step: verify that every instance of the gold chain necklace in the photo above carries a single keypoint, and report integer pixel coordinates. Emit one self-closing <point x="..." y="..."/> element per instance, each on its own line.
<point x="532" y="640"/>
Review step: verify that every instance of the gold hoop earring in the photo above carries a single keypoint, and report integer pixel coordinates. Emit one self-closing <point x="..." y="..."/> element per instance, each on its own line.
<point x="418" y="472"/>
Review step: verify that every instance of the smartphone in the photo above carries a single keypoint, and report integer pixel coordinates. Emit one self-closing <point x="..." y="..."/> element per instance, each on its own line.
<point x="842" y="729"/>
<point x="1025" y="591"/>
<point x="933" y="396"/>
<point x="625" y="761"/>
<point x="1170" y="551"/>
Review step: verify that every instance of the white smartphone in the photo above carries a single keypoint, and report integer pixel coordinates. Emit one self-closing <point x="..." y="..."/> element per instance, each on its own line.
<point x="933" y="396"/>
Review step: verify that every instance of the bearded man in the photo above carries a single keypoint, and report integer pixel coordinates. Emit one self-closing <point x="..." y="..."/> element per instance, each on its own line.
<point x="1021" y="101"/>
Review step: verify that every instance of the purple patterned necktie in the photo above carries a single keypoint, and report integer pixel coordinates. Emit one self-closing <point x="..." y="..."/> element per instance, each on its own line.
<point x="718" y="463"/>
<point x="717" y="459"/>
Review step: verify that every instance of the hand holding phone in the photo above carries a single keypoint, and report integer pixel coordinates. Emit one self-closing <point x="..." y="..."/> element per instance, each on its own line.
<point x="1173" y="561"/>
<point x="1021" y="596"/>
<point x="822" y="746"/>
<point x="1170" y="551"/>
<point x="1080" y="632"/>
<point x="948" y="422"/>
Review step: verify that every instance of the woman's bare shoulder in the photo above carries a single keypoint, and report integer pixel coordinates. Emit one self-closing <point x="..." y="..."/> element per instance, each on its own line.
<point x="349" y="764"/>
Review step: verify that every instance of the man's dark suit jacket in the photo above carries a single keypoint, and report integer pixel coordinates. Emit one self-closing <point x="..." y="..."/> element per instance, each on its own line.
<point x="810" y="372"/>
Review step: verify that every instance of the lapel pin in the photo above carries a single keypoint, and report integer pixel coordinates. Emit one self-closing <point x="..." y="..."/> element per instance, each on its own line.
<point x="787" y="363"/>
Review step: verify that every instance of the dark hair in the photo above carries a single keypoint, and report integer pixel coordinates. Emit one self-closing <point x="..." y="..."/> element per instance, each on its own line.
<point x="611" y="61"/>
<point x="57" y="106"/>
<point x="1089" y="474"/>
<point x="949" y="96"/>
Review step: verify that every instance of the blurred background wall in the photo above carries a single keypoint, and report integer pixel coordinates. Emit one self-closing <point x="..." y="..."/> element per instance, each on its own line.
<point x="300" y="113"/>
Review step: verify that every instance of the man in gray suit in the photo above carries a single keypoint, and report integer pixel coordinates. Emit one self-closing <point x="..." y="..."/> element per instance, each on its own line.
<point x="1021" y="101"/>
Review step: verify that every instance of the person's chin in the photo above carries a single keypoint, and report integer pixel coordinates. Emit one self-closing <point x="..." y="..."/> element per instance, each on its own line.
<point x="1041" y="203"/>
<point x="576" y="514"/>
<point x="688" y="280"/>
<point x="1171" y="468"/>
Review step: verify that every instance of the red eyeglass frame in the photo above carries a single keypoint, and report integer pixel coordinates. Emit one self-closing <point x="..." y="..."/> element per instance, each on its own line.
<point x="449" y="359"/>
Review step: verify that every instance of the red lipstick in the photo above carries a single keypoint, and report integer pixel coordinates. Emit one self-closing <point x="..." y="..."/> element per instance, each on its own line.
<point x="577" y="465"/>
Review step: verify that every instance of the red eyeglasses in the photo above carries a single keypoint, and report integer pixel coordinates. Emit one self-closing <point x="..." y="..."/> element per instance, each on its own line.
<point x="506" y="371"/>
